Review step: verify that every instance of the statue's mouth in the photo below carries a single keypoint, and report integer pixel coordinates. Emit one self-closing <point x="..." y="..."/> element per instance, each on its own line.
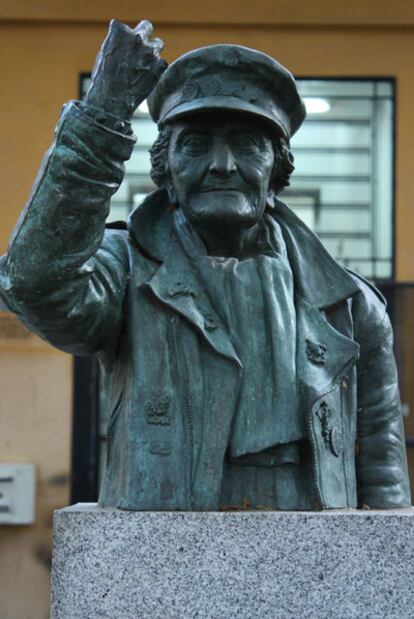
<point x="221" y="189"/>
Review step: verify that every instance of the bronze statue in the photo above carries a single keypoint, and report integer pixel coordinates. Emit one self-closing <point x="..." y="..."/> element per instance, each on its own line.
<point x="244" y="367"/>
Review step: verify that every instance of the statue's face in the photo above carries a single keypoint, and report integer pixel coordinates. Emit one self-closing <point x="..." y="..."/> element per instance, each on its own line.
<point x="220" y="167"/>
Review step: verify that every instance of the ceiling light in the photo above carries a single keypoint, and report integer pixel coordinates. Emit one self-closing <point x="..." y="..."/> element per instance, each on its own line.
<point x="316" y="105"/>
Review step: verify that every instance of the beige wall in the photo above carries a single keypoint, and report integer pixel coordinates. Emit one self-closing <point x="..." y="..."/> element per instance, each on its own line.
<point x="43" y="48"/>
<point x="34" y="428"/>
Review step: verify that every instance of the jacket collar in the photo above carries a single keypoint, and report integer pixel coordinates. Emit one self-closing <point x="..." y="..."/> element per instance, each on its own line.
<point x="319" y="279"/>
<point x="318" y="276"/>
<point x="174" y="283"/>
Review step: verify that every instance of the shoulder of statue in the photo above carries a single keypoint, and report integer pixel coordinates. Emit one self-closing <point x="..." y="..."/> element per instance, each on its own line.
<point x="369" y="310"/>
<point x="367" y="286"/>
<point x="150" y="224"/>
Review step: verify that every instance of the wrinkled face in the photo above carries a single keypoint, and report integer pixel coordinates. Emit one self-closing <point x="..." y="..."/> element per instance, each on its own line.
<point x="220" y="167"/>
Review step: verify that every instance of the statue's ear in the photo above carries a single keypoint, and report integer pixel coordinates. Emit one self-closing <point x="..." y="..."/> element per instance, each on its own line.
<point x="271" y="198"/>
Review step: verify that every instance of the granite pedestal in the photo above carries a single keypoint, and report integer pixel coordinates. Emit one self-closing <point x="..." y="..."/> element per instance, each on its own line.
<point x="150" y="565"/>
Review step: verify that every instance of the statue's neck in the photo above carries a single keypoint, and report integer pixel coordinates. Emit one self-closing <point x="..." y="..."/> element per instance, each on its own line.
<point x="237" y="242"/>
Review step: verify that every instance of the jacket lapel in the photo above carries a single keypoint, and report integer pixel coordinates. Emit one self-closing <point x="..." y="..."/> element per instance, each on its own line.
<point x="319" y="278"/>
<point x="324" y="355"/>
<point x="175" y="284"/>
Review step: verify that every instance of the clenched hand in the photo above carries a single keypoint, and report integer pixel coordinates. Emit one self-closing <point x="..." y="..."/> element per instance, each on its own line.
<point x="126" y="69"/>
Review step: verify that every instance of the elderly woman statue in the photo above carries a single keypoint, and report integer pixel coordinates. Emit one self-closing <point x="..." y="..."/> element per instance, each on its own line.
<point x="243" y="366"/>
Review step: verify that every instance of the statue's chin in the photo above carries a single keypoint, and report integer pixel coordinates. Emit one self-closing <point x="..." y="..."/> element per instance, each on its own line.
<point x="214" y="209"/>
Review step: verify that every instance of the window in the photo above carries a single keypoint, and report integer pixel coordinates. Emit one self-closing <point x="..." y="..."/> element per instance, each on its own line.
<point x="342" y="186"/>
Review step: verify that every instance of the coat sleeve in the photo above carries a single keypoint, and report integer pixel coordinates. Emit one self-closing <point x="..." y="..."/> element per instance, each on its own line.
<point x="63" y="275"/>
<point x="382" y="475"/>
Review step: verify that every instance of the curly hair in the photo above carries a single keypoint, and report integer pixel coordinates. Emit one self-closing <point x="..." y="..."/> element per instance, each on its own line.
<point x="282" y="167"/>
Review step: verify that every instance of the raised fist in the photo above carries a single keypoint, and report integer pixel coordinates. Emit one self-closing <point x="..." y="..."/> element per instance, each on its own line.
<point x="126" y="69"/>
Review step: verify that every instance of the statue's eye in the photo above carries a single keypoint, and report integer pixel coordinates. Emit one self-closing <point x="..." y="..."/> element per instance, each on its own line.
<point x="194" y="144"/>
<point x="247" y="142"/>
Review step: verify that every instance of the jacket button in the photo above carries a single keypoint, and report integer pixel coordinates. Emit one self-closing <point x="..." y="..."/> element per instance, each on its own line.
<point x="345" y="382"/>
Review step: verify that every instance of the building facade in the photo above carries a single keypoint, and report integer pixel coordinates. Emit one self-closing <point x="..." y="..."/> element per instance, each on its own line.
<point x="44" y="49"/>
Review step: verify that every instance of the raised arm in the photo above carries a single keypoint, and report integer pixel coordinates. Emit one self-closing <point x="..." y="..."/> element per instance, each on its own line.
<point x="63" y="274"/>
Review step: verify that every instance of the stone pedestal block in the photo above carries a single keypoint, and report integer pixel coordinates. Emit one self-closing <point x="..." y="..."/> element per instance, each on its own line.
<point x="174" y="565"/>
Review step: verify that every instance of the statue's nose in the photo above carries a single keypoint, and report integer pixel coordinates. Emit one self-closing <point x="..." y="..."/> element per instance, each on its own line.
<point x="222" y="160"/>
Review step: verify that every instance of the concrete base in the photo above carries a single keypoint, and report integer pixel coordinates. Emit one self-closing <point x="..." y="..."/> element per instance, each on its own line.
<point x="174" y="565"/>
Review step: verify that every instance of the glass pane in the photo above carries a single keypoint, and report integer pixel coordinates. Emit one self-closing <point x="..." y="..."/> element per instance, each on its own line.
<point x="320" y="134"/>
<point x="344" y="155"/>
<point x="336" y="88"/>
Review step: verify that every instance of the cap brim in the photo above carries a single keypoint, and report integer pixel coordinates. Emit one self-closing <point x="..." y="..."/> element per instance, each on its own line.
<point x="224" y="103"/>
